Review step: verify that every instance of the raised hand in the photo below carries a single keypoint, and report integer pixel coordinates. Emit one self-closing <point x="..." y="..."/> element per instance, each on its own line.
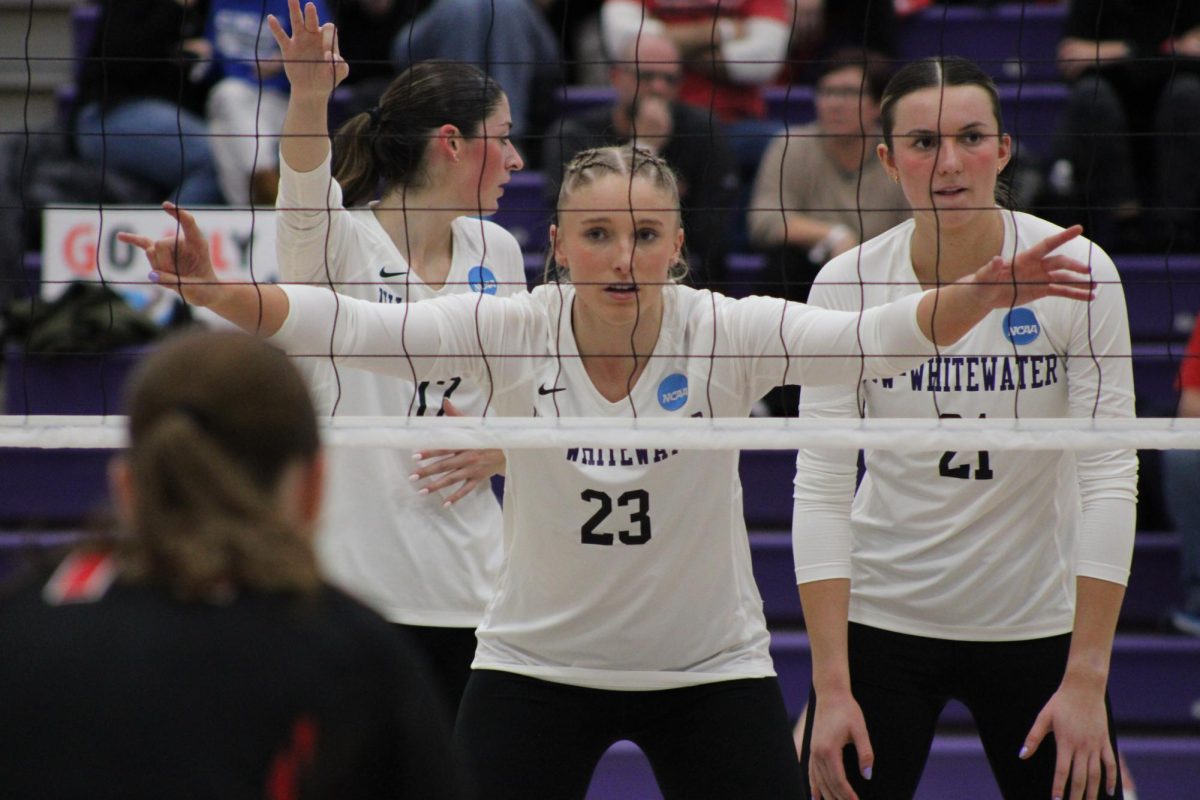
<point x="1034" y="274"/>
<point x="181" y="261"/>
<point x="311" y="58"/>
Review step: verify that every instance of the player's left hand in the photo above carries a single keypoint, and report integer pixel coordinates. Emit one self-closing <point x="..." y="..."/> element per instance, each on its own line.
<point x="1077" y="717"/>
<point x="1035" y="273"/>
<point x="466" y="469"/>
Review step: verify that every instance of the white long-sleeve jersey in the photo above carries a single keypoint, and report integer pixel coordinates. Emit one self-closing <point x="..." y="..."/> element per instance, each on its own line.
<point x="416" y="562"/>
<point x="624" y="568"/>
<point x="981" y="546"/>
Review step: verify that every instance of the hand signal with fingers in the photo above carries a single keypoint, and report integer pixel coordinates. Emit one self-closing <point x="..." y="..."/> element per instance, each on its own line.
<point x="1035" y="273"/>
<point x="180" y="262"/>
<point x="311" y="57"/>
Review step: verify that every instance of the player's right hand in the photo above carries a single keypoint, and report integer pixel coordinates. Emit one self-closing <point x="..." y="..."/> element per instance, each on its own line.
<point x="838" y="721"/>
<point x="311" y="58"/>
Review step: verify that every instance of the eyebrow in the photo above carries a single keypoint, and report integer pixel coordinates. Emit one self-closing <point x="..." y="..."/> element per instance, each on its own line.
<point x="637" y="220"/>
<point x="926" y="132"/>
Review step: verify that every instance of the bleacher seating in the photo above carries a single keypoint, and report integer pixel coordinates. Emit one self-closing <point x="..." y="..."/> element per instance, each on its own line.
<point x="1011" y="41"/>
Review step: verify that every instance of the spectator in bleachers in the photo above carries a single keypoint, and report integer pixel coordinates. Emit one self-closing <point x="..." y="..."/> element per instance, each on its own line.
<point x="197" y="652"/>
<point x="1181" y="487"/>
<point x="821" y="189"/>
<point x="510" y="40"/>
<point x="1134" y="68"/>
<point x="730" y="52"/>
<point x="646" y="76"/>
<point x="139" y="110"/>
<point x="247" y="103"/>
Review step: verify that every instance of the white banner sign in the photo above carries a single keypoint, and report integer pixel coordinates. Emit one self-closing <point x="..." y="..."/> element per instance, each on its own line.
<point x="81" y="245"/>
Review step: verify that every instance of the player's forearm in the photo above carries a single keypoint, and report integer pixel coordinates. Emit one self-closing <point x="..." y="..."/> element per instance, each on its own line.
<point x="1097" y="606"/>
<point x="946" y="314"/>
<point x="826" y="607"/>
<point x="305" y="142"/>
<point x="255" y="308"/>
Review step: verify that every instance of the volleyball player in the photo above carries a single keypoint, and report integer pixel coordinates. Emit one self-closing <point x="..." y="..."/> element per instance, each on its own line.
<point x="197" y="652"/>
<point x="993" y="578"/>
<point x="626" y="607"/>
<point x="426" y="554"/>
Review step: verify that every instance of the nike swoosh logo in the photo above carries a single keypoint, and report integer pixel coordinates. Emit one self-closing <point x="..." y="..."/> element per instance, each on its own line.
<point x="383" y="273"/>
<point x="543" y="390"/>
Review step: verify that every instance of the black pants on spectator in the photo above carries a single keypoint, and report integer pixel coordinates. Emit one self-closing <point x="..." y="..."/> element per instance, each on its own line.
<point x="529" y="738"/>
<point x="1113" y="168"/>
<point x="903" y="682"/>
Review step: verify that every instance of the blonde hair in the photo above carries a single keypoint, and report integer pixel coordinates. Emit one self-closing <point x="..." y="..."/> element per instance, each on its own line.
<point x="215" y="420"/>
<point x="628" y="162"/>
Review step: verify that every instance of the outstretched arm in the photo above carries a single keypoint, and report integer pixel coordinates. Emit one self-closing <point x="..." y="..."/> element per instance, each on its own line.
<point x="314" y="67"/>
<point x="182" y="264"/>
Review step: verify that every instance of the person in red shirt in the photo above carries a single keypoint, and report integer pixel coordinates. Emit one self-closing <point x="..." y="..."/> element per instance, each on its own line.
<point x="1181" y="480"/>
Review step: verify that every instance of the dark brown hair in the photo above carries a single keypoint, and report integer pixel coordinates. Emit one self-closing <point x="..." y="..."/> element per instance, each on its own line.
<point x="215" y="419"/>
<point x="384" y="147"/>
<point x="929" y="73"/>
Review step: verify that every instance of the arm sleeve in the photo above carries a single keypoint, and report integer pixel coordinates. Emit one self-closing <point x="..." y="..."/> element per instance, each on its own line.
<point x="310" y="225"/>
<point x="1100" y="374"/>
<point x="755" y="57"/>
<point x="825" y="479"/>
<point x="796" y="343"/>
<point x="445" y="335"/>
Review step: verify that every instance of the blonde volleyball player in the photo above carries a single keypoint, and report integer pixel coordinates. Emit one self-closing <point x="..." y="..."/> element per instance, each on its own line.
<point x="436" y="150"/>
<point x="626" y="607"/>
<point x="993" y="578"/>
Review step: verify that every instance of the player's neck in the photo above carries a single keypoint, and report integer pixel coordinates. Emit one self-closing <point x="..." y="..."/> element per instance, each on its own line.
<point x="419" y="224"/>
<point x="940" y="255"/>
<point x="614" y="353"/>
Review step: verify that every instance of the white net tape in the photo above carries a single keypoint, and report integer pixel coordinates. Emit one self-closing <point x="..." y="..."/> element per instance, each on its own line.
<point x="74" y="432"/>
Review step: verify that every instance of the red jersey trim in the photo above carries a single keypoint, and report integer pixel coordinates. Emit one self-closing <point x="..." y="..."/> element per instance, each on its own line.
<point x="80" y="578"/>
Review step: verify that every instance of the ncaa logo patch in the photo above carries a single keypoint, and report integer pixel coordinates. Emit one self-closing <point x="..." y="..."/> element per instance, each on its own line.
<point x="673" y="391"/>
<point x="482" y="280"/>
<point x="1021" y="326"/>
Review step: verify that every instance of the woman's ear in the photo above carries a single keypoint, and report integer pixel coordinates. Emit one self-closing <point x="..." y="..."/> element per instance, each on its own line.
<point x="449" y="141"/>
<point x="1005" y="151"/>
<point x="889" y="163"/>
<point x="556" y="247"/>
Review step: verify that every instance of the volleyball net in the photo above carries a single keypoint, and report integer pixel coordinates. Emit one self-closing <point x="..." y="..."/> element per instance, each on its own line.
<point x="1014" y="42"/>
